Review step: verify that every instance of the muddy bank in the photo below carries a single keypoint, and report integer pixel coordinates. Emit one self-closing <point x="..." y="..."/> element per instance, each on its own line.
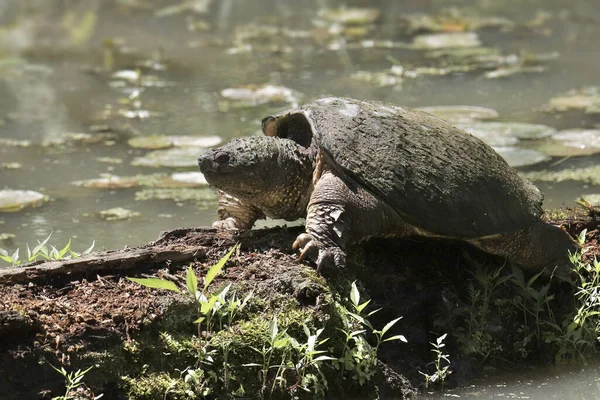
<point x="83" y="313"/>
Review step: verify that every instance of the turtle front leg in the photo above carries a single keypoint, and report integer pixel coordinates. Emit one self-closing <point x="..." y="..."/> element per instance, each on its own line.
<point x="341" y="212"/>
<point x="326" y="225"/>
<point x="234" y="213"/>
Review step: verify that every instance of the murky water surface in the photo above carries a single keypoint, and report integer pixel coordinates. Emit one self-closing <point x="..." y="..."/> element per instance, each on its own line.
<point x="123" y="69"/>
<point x="558" y="382"/>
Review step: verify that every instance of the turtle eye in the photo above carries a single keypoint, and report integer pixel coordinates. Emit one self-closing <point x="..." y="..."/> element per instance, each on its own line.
<point x="222" y="157"/>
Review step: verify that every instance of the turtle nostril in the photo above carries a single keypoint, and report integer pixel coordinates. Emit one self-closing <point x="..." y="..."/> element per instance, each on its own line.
<point x="222" y="157"/>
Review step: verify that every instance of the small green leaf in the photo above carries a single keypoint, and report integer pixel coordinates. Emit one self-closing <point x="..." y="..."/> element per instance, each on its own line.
<point x="273" y="329"/>
<point x="397" y="337"/>
<point x="581" y="237"/>
<point x="281" y="343"/>
<point x="324" y="358"/>
<point x="15" y="256"/>
<point x="354" y="294"/>
<point x="41" y="245"/>
<point x="362" y="306"/>
<point x="215" y="269"/>
<point x="199" y="320"/>
<point x="389" y="325"/>
<point x="441" y="339"/>
<point x="306" y="330"/>
<point x="207" y="306"/>
<point x="89" y="249"/>
<point x="191" y="281"/>
<point x="156" y="283"/>
<point x="373" y="312"/>
<point x="64" y="250"/>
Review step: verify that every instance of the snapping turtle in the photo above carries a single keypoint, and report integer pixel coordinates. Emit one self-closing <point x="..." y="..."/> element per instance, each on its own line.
<point x="361" y="169"/>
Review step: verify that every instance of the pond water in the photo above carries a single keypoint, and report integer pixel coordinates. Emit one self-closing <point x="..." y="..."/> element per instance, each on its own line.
<point x="70" y="67"/>
<point x="557" y="382"/>
<point x="80" y="79"/>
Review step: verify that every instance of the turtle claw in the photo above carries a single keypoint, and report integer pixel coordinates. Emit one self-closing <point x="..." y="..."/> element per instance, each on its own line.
<point x="316" y="251"/>
<point x="228" y="224"/>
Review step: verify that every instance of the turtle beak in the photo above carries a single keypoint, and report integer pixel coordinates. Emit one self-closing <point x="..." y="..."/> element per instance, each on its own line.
<point x="213" y="161"/>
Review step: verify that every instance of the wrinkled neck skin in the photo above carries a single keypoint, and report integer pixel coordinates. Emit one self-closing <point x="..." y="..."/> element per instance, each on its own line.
<point x="288" y="183"/>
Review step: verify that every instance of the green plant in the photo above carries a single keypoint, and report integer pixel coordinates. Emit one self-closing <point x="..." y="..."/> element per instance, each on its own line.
<point x="200" y="377"/>
<point x="358" y="355"/>
<point x="299" y="360"/>
<point x="42" y="251"/>
<point x="577" y="334"/>
<point x="73" y="380"/>
<point x="473" y="334"/>
<point x="441" y="371"/>
<point x="208" y="306"/>
<point x="275" y="340"/>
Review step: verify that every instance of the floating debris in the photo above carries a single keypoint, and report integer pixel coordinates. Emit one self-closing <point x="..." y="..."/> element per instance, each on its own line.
<point x="461" y="114"/>
<point x="15" y="143"/>
<point x="155" y="142"/>
<point x="518" y="157"/>
<point x="451" y="20"/>
<point x="16" y="200"/>
<point x="508" y="71"/>
<point x="110" y="160"/>
<point x="182" y="179"/>
<point x="589" y="174"/>
<point x="391" y="77"/>
<point x="179" y="179"/>
<point x="196" y="6"/>
<point x="6" y="237"/>
<point x="109" y="182"/>
<point x="115" y="214"/>
<point x="177" y="157"/>
<point x="586" y="99"/>
<point x="572" y="142"/>
<point x="446" y="40"/>
<point x="11" y="165"/>
<point x="128" y="77"/>
<point x="519" y="130"/>
<point x="252" y="96"/>
<point x="350" y="16"/>
<point x="204" y="198"/>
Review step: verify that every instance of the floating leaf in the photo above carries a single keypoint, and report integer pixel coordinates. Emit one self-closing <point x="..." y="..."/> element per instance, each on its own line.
<point x="518" y="157"/>
<point x="109" y="182"/>
<point x="586" y="99"/>
<point x="589" y="174"/>
<point x="350" y="15"/>
<point x="461" y="114"/>
<point x="519" y="130"/>
<point x="15" y="200"/>
<point x="175" y="158"/>
<point x="572" y="142"/>
<point x="116" y="214"/>
<point x="155" y="142"/>
<point x="252" y="96"/>
<point x="446" y="40"/>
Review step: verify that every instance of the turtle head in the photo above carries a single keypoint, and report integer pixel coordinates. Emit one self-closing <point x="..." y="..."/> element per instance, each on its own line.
<point x="268" y="172"/>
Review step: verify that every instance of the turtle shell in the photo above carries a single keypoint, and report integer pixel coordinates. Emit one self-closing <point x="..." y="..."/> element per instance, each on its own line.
<point x="436" y="176"/>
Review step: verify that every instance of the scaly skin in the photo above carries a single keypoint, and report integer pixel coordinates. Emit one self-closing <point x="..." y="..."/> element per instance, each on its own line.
<point x="259" y="177"/>
<point x="341" y="212"/>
